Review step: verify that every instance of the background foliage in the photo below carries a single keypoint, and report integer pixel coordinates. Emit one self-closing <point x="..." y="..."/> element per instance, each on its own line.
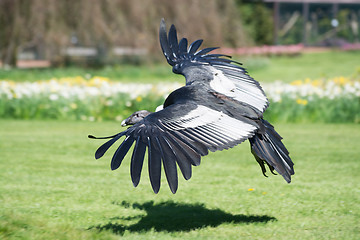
<point x="52" y="26"/>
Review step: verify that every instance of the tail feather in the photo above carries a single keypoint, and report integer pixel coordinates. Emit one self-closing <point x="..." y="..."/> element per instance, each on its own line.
<point x="267" y="148"/>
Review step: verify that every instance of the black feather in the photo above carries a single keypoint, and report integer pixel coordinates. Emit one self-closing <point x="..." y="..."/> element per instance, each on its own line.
<point x="280" y="160"/>
<point x="194" y="46"/>
<point x="271" y="129"/>
<point x="282" y="151"/>
<point x="176" y="53"/>
<point x="165" y="44"/>
<point x="217" y="60"/>
<point x="93" y="137"/>
<point x="180" y="157"/>
<point x="191" y="154"/>
<point x="121" y="152"/>
<point x="216" y="56"/>
<point x="260" y="162"/>
<point x="211" y="134"/>
<point x="228" y="65"/>
<point x="217" y="134"/>
<point x="173" y="41"/>
<point x="169" y="164"/>
<point x="198" y="138"/>
<point x="154" y="165"/>
<point x="103" y="148"/>
<point x="205" y="51"/>
<point x="204" y="134"/>
<point x="137" y="160"/>
<point x="183" y="45"/>
<point x="199" y="147"/>
<point x="263" y="148"/>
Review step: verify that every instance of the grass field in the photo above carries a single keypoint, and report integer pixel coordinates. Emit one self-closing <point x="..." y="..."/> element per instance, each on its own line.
<point x="307" y="65"/>
<point x="52" y="188"/>
<point x="284" y="68"/>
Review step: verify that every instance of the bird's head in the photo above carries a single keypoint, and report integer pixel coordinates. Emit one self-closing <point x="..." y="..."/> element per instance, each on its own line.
<point x="135" y="118"/>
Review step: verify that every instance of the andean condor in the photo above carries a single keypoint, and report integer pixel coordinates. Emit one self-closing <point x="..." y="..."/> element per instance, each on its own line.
<point x="219" y="107"/>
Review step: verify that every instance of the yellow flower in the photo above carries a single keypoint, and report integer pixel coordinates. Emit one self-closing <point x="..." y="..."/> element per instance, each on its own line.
<point x="341" y="80"/>
<point x="301" y="101"/>
<point x="138" y="99"/>
<point x="73" y="105"/>
<point x="297" y="83"/>
<point x="251" y="189"/>
<point x="101" y="79"/>
<point x="79" y="80"/>
<point x="307" y="80"/>
<point x="11" y="83"/>
<point x="316" y="83"/>
<point x="96" y="81"/>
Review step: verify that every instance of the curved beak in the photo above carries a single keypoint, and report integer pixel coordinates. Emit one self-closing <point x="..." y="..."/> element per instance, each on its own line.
<point x="127" y="121"/>
<point x="124" y="123"/>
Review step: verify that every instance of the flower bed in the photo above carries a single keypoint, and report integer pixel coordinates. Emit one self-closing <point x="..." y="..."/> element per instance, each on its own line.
<point x="319" y="100"/>
<point x="98" y="98"/>
<point x="77" y="98"/>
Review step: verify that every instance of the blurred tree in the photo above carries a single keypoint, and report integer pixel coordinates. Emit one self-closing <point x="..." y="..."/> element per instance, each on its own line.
<point x="344" y="18"/>
<point x="50" y="25"/>
<point x="25" y="24"/>
<point x="295" y="34"/>
<point x="258" y="21"/>
<point x="11" y="33"/>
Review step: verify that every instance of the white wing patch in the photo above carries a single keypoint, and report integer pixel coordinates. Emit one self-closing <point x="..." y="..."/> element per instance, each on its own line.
<point x="236" y="84"/>
<point x="159" y="108"/>
<point x="216" y="127"/>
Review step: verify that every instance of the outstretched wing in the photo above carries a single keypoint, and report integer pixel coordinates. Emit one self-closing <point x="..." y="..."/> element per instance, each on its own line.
<point x="178" y="135"/>
<point x="225" y="75"/>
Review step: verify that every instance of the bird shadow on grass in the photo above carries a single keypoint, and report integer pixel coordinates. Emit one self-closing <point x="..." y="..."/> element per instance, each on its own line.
<point x="173" y="217"/>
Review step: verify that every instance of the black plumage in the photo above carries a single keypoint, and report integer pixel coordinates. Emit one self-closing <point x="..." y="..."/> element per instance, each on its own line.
<point x="219" y="107"/>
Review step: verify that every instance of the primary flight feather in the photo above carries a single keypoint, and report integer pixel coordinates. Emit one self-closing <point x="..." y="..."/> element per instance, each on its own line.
<point x="219" y="107"/>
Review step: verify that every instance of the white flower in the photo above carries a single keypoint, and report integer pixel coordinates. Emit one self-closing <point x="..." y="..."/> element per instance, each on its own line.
<point x="109" y="103"/>
<point x="74" y="89"/>
<point x="53" y="97"/>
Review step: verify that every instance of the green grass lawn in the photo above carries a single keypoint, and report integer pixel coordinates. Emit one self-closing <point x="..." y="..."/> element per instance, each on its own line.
<point x="126" y="73"/>
<point x="52" y="188"/>
<point x="283" y="68"/>
<point x="308" y="65"/>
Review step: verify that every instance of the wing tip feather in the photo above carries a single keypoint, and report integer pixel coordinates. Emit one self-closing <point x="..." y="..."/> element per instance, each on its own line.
<point x="175" y="52"/>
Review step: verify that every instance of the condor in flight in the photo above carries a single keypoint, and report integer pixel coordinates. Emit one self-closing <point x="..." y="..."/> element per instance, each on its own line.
<point x="219" y="107"/>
